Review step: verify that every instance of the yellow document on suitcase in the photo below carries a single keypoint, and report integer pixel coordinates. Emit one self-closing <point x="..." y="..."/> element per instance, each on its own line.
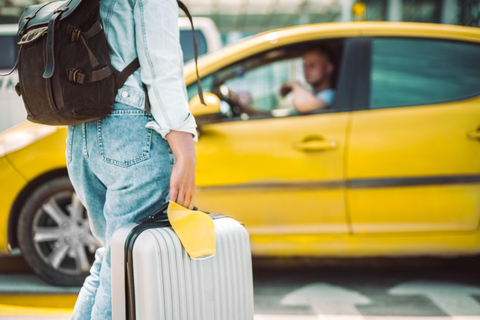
<point x="194" y="228"/>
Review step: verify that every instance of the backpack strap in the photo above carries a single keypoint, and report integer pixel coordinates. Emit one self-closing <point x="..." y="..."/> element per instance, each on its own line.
<point x="77" y="76"/>
<point x="127" y="72"/>
<point x="50" y="65"/>
<point x="78" y="35"/>
<point x="195" y="49"/>
<point x="14" y="66"/>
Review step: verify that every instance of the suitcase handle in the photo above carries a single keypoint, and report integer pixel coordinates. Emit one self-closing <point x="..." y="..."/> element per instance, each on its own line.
<point x="161" y="214"/>
<point x="161" y="211"/>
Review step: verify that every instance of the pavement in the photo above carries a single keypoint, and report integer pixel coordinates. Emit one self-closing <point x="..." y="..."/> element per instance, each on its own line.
<point x="25" y="296"/>
<point x="355" y="289"/>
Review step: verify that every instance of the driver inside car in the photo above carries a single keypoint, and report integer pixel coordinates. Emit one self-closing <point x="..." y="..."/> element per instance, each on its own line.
<point x="318" y="70"/>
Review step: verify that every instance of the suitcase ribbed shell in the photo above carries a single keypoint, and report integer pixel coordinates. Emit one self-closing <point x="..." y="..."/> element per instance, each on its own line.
<point x="171" y="286"/>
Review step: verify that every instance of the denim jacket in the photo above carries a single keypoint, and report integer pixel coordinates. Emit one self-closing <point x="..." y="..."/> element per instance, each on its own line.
<point x="149" y="29"/>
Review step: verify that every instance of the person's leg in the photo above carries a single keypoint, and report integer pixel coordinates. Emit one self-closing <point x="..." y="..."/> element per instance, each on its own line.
<point x="86" y="297"/>
<point x="134" y="163"/>
<point x="91" y="193"/>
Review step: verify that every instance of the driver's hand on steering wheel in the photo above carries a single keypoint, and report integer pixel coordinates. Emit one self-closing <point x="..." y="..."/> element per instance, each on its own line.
<point x="287" y="87"/>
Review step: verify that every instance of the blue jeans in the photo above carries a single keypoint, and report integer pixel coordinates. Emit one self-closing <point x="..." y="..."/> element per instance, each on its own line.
<point x="120" y="170"/>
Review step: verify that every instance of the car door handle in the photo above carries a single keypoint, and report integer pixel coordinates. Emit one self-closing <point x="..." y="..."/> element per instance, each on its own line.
<point x="475" y="134"/>
<point x="315" y="145"/>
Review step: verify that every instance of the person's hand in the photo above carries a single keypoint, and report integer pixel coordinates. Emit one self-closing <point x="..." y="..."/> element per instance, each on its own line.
<point x="182" y="179"/>
<point x="287" y="87"/>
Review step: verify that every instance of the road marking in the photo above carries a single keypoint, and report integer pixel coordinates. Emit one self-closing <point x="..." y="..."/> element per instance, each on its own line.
<point x="283" y="317"/>
<point x="328" y="301"/>
<point x="338" y="317"/>
<point x="453" y="298"/>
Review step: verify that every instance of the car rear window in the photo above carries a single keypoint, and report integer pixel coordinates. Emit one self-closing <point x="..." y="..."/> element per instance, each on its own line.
<point x="186" y="41"/>
<point x="409" y="72"/>
<point x="8" y="51"/>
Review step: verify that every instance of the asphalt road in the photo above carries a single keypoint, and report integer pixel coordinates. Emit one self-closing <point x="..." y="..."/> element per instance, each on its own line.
<point x="358" y="289"/>
<point x="348" y="289"/>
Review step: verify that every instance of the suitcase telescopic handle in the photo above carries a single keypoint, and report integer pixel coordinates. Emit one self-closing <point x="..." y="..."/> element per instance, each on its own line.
<point x="161" y="211"/>
<point x="161" y="214"/>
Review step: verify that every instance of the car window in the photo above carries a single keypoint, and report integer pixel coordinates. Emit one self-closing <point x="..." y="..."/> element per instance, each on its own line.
<point x="8" y="52"/>
<point x="250" y="88"/>
<point x="186" y="41"/>
<point x="260" y="87"/>
<point x="409" y="72"/>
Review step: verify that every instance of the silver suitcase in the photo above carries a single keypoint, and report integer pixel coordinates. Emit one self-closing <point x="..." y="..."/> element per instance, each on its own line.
<point x="166" y="284"/>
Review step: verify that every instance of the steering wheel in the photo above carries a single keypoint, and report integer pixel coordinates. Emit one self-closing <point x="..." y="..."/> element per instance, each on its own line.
<point x="230" y="97"/>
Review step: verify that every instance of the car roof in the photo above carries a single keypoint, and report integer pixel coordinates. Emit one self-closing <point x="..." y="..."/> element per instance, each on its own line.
<point x="8" y="29"/>
<point x="311" y="32"/>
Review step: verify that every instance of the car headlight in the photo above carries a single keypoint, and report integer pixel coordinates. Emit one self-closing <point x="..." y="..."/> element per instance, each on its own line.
<point x="18" y="138"/>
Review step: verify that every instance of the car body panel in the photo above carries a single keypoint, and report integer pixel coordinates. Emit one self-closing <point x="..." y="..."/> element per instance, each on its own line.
<point x="438" y="244"/>
<point x="42" y="156"/>
<point x="419" y="30"/>
<point x="435" y="136"/>
<point x="296" y="191"/>
<point x="12" y="183"/>
<point x="426" y="169"/>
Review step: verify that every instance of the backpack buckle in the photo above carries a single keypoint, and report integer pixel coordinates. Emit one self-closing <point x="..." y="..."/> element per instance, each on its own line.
<point x="76" y="35"/>
<point x="76" y="75"/>
<point x="58" y="10"/>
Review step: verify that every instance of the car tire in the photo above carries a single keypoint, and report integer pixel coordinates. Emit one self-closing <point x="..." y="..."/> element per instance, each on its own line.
<point x="54" y="234"/>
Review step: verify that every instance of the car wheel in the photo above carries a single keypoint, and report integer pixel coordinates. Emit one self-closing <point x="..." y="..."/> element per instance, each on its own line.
<point x="54" y="234"/>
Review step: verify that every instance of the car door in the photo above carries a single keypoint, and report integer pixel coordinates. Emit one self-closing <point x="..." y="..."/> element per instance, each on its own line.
<point x="412" y="162"/>
<point x="283" y="177"/>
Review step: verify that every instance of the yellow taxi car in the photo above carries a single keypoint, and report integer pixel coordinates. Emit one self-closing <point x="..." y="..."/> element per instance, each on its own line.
<point x="391" y="169"/>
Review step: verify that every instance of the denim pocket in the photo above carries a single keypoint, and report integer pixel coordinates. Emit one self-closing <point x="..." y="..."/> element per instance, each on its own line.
<point x="123" y="139"/>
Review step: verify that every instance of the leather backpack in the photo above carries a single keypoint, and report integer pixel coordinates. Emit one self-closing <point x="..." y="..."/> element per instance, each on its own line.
<point x="65" y="74"/>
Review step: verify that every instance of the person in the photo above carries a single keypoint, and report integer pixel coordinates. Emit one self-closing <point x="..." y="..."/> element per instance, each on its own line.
<point x="130" y="163"/>
<point x="318" y="70"/>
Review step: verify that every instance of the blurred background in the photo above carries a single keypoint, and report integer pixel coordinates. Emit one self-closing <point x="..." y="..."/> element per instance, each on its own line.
<point x="236" y="19"/>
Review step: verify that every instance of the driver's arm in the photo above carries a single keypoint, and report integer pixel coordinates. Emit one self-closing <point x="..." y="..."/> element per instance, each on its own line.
<point x="303" y="99"/>
<point x="251" y="111"/>
<point x="244" y="107"/>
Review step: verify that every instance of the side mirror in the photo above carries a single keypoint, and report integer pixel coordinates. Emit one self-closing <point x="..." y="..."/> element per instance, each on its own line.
<point x="205" y="113"/>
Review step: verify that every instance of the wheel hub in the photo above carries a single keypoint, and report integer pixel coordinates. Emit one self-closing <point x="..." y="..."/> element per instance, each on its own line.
<point x="62" y="236"/>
